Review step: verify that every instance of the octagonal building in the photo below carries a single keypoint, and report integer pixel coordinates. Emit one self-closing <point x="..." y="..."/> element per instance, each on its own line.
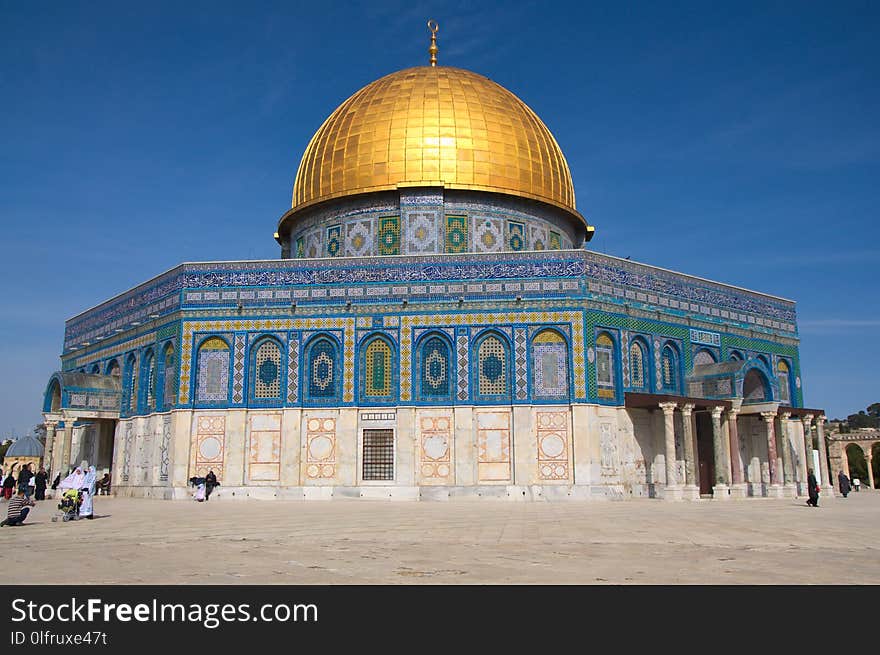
<point x="435" y="328"/>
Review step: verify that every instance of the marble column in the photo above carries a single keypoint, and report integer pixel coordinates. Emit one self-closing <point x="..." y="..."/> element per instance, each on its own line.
<point x="739" y="488"/>
<point x="824" y="480"/>
<point x="691" y="488"/>
<point x="787" y="465"/>
<point x="75" y="440"/>
<point x="868" y="456"/>
<point x="672" y="491"/>
<point x="62" y="461"/>
<point x="807" y="421"/>
<point x="50" y="444"/>
<point x="775" y="490"/>
<point x="719" y="484"/>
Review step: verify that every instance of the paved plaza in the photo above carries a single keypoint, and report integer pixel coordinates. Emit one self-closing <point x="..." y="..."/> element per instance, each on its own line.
<point x="758" y="541"/>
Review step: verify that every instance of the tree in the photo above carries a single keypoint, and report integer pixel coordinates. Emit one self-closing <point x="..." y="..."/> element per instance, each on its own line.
<point x="862" y="420"/>
<point x="874" y="410"/>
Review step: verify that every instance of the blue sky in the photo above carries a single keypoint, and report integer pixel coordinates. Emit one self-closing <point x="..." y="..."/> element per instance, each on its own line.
<point x="736" y="141"/>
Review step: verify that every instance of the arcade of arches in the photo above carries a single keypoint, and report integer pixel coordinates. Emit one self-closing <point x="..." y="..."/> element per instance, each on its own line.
<point x="848" y="451"/>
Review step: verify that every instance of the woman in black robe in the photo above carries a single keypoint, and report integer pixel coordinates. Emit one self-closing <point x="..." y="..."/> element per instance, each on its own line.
<point x="812" y="489"/>
<point x="40" y="481"/>
<point x="843" y="483"/>
<point x="210" y="483"/>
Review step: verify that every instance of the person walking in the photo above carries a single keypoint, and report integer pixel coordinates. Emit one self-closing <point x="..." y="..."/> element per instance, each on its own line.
<point x="9" y="483"/>
<point x="24" y="480"/>
<point x="843" y="484"/>
<point x="210" y="483"/>
<point x="812" y="489"/>
<point x="18" y="509"/>
<point x="41" y="480"/>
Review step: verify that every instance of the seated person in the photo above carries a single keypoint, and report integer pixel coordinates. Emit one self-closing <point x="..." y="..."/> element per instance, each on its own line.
<point x="104" y="485"/>
<point x="18" y="509"/>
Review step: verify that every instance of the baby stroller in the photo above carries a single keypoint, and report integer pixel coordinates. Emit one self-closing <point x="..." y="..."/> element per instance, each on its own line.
<point x="71" y="500"/>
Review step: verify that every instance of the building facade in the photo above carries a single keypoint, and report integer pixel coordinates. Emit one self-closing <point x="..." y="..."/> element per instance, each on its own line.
<point x="435" y="328"/>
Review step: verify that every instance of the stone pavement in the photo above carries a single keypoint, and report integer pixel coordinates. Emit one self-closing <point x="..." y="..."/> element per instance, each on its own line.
<point x="757" y="541"/>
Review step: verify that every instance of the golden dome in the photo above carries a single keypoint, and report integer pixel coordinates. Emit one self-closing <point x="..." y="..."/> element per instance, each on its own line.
<point x="434" y="126"/>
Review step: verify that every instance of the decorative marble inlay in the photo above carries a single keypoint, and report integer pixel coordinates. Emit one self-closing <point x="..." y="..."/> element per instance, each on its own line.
<point x="553" y="445"/>
<point x="320" y="448"/>
<point x="435" y="447"/>
<point x="209" y="445"/>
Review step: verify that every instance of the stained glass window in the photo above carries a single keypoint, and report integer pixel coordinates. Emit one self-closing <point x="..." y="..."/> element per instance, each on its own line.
<point x="782" y="372"/>
<point x="267" y="370"/>
<point x="322" y="369"/>
<point x="377" y="367"/>
<point x="130" y="384"/>
<point x="605" y="366"/>
<point x="549" y="365"/>
<point x="637" y="365"/>
<point x="668" y="368"/>
<point x="213" y="376"/>
<point x="435" y="381"/>
<point x="150" y="375"/>
<point x="170" y="387"/>
<point x="492" y="362"/>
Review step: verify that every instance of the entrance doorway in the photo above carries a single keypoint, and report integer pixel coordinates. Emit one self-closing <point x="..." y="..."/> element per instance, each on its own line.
<point x="705" y="452"/>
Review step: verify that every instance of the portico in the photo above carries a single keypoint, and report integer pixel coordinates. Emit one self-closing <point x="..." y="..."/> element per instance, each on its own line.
<point x="729" y="449"/>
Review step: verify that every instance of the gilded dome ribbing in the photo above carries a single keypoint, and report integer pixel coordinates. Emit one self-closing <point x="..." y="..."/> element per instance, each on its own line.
<point x="433" y="126"/>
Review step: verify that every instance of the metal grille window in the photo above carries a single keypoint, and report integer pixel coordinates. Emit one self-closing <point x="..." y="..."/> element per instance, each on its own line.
<point x="378" y="454"/>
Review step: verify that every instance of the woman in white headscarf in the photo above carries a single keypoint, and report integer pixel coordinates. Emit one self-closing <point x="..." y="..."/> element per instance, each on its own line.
<point x="87" y="509"/>
<point x="74" y="480"/>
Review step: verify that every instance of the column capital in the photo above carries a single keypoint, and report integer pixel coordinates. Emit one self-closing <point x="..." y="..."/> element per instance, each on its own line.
<point x="716" y="411"/>
<point x="733" y="412"/>
<point x="807" y="419"/>
<point x="784" y="416"/>
<point x="768" y="416"/>
<point x="820" y="420"/>
<point x="687" y="408"/>
<point x="668" y="408"/>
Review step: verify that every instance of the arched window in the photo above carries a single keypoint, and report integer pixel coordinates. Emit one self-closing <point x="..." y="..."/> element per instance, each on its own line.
<point x="755" y="387"/>
<point x="322" y="372"/>
<point x="605" y="366"/>
<point x="782" y="375"/>
<point x="549" y="366"/>
<point x="669" y="369"/>
<point x="129" y="395"/>
<point x="113" y="368"/>
<point x="266" y="371"/>
<point x="492" y="367"/>
<point x="213" y="371"/>
<point x="736" y="356"/>
<point x="377" y="369"/>
<point x="703" y="357"/>
<point x="52" y="399"/>
<point x="169" y="386"/>
<point x="96" y="369"/>
<point x="637" y="357"/>
<point x="435" y="382"/>
<point x="148" y="381"/>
